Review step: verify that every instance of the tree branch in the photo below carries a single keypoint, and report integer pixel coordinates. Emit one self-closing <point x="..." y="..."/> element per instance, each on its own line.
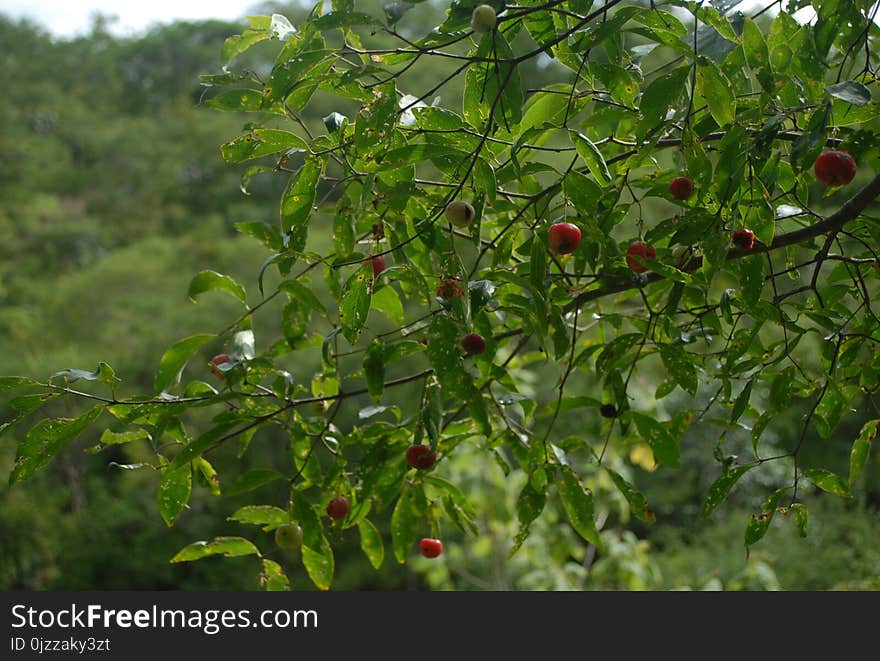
<point x="847" y="212"/>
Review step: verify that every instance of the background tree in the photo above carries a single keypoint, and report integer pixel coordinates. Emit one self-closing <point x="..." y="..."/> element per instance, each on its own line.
<point x="655" y="332"/>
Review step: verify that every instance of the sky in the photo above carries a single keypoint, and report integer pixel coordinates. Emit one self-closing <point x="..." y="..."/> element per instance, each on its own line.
<point x="68" y="18"/>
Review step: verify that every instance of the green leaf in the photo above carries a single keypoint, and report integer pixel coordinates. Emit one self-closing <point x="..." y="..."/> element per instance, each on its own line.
<point x="333" y="121"/>
<point x="809" y="145"/>
<point x="213" y="281"/>
<point x="592" y="157"/>
<point x="444" y="354"/>
<point x="759" y="523"/>
<point x="297" y="201"/>
<point x="529" y="506"/>
<point x="260" y="142"/>
<point x="175" y="358"/>
<point x="386" y="301"/>
<point x="751" y="278"/>
<point x="374" y="368"/>
<point x="668" y="271"/>
<point x="742" y="401"/>
<point x="851" y="92"/>
<point x="721" y="488"/>
<point x="679" y="364"/>
<point x="801" y="518"/>
<point x="261" y="515"/>
<point x="371" y="543"/>
<point x="860" y="449"/>
<point x="291" y="72"/>
<point x="252" y="479"/>
<point x="229" y="547"/>
<point x="319" y="564"/>
<point x="405" y="522"/>
<point x="273" y="578"/>
<point x="416" y="153"/>
<point x="717" y="91"/>
<point x="578" y="503"/>
<point x="638" y="504"/>
<point x="13" y="382"/>
<point x="617" y="352"/>
<point x="827" y="481"/>
<point x="493" y="85"/>
<point x="174" y="491"/>
<point x="118" y="438"/>
<point x="239" y="43"/>
<point x="238" y="100"/>
<point x="663" y="444"/>
<point x="46" y="439"/>
<point x="582" y="191"/>
<point x="662" y="94"/>
<point x="303" y="295"/>
<point x="355" y="305"/>
<point x="317" y="554"/>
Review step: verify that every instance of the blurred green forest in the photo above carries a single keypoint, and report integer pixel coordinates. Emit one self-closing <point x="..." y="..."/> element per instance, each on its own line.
<point x="113" y="194"/>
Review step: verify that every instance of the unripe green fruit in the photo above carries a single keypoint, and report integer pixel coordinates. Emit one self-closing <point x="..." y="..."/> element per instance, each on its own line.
<point x="289" y="536"/>
<point x="483" y="19"/>
<point x="459" y="213"/>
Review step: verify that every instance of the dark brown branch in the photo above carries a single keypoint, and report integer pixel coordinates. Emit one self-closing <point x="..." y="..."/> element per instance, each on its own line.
<point x="849" y="211"/>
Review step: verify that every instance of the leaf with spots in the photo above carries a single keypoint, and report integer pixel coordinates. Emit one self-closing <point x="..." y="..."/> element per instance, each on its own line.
<point x="860" y="449"/>
<point x="355" y="305"/>
<point x="371" y="543"/>
<point x="759" y="523"/>
<point x="273" y="578"/>
<point x="680" y="366"/>
<point x="638" y="504"/>
<point x="229" y="547"/>
<point x="578" y="503"/>
<point x="721" y="487"/>
<point x="828" y="481"/>
<point x="174" y="491"/>
<point x="46" y="439"/>
<point x="529" y="506"/>
<point x="663" y="444"/>
<point x="297" y="202"/>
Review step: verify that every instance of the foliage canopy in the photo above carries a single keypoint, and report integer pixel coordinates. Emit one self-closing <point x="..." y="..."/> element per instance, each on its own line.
<point x="563" y="392"/>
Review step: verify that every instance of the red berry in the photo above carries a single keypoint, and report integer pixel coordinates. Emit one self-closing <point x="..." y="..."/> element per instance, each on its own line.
<point x="640" y="250"/>
<point x="219" y="359"/>
<point x="835" y="168"/>
<point x="337" y="508"/>
<point x="744" y="239"/>
<point x="421" y="457"/>
<point x="473" y="344"/>
<point x="378" y="263"/>
<point x="563" y="238"/>
<point x="430" y="548"/>
<point x="681" y="188"/>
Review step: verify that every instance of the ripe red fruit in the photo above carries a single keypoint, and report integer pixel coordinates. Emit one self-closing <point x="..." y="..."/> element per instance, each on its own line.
<point x="430" y="548"/>
<point x="639" y="249"/>
<point x="681" y="188"/>
<point x="473" y="344"/>
<point x="835" y="168"/>
<point x="219" y="359"/>
<point x="744" y="239"/>
<point x="563" y="238"/>
<point x="378" y="263"/>
<point x="421" y="457"/>
<point x="337" y="508"/>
